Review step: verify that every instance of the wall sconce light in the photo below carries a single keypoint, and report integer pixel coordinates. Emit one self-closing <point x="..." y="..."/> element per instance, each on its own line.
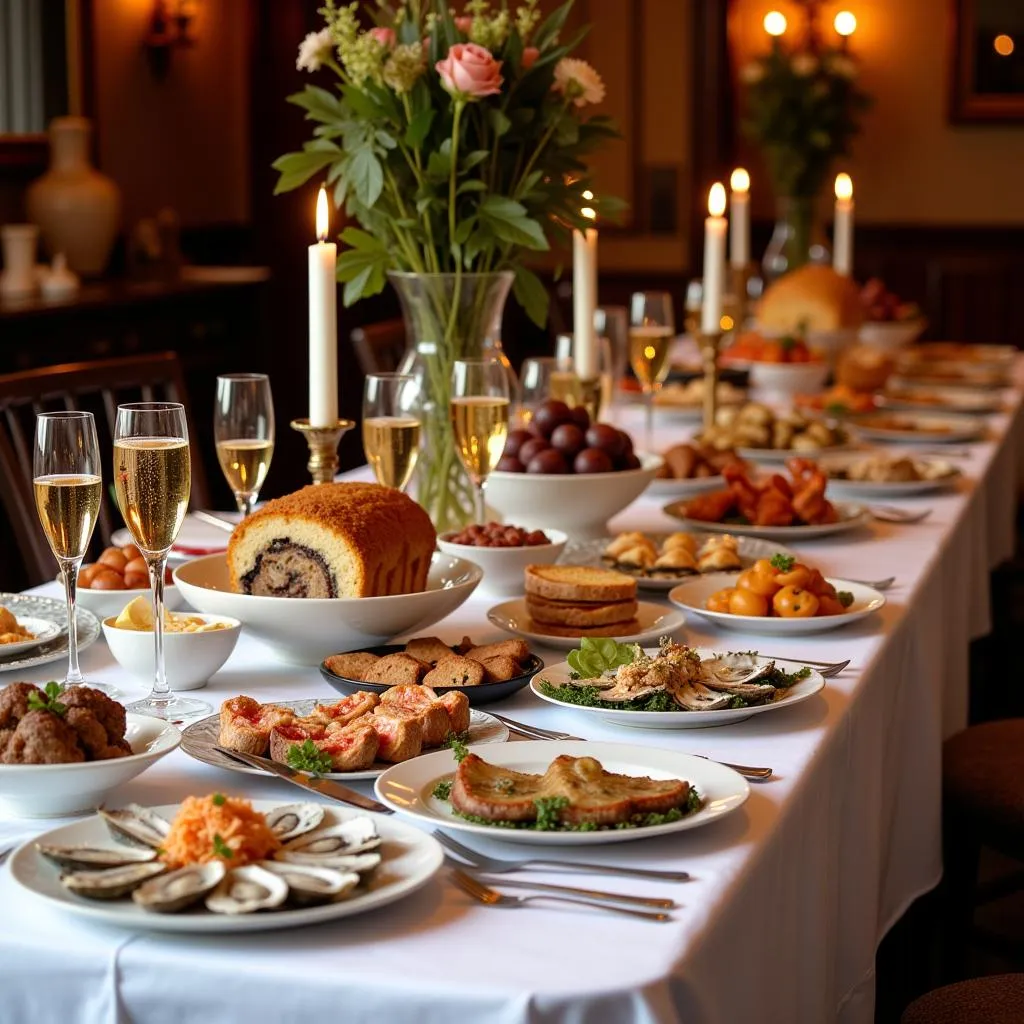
<point x="171" y="27"/>
<point x="775" y="23"/>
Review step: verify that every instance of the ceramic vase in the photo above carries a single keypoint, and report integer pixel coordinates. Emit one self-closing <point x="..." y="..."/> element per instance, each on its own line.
<point x="18" y="279"/>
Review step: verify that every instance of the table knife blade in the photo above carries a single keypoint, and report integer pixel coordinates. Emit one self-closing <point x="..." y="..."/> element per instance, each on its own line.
<point x="314" y="783"/>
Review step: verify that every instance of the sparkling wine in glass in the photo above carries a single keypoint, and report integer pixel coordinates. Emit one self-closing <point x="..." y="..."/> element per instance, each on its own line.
<point x="152" y="481"/>
<point x="67" y="484"/>
<point x="545" y="377"/>
<point x="479" y="412"/>
<point x="391" y="428"/>
<point x="243" y="428"/>
<point x="651" y="329"/>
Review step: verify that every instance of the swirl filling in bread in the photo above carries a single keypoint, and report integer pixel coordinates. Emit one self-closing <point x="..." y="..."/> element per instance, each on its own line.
<point x="286" y="569"/>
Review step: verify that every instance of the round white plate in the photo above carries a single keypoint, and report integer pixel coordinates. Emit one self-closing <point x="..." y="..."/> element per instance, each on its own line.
<point x="41" y="630"/>
<point x="655" y="621"/>
<point x="693" y="594"/>
<point x="195" y="538"/>
<point x="685" y="488"/>
<point x="560" y="674"/>
<point x="921" y="428"/>
<point x="53" y="610"/>
<point x="411" y="859"/>
<point x="782" y="454"/>
<point x="951" y="400"/>
<point x="200" y="740"/>
<point x="407" y="787"/>
<point x="891" y="488"/>
<point x="850" y="517"/>
<point x="588" y="552"/>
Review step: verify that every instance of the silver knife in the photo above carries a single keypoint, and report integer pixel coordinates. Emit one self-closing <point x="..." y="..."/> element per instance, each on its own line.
<point x="314" y="783"/>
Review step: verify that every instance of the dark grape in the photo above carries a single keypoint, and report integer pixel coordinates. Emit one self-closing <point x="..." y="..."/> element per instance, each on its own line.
<point x="568" y="439"/>
<point x="627" y="443"/>
<point x="551" y="414"/>
<point x="593" y="460"/>
<point x="510" y="464"/>
<point x="531" y="448"/>
<point x="515" y="440"/>
<point x="549" y="461"/>
<point x="630" y="461"/>
<point x="607" y="438"/>
<point x="580" y="416"/>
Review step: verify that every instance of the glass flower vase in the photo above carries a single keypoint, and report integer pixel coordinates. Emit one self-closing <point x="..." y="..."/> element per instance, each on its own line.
<point x="448" y="317"/>
<point x="798" y="238"/>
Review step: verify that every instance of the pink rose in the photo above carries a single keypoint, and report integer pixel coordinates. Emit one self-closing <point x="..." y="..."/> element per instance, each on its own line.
<point x="530" y="55"/>
<point x="470" y="71"/>
<point x="464" y="24"/>
<point x="384" y="36"/>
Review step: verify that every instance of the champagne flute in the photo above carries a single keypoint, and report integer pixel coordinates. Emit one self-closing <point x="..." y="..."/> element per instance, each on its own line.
<point x="479" y="411"/>
<point x="243" y="428"/>
<point x="651" y="327"/>
<point x="152" y="481"/>
<point x="391" y="428"/>
<point x="568" y="386"/>
<point x="67" y="483"/>
<point x="545" y="377"/>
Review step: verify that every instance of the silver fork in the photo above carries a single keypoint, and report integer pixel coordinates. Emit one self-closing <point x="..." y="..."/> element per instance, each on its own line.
<point x="877" y="584"/>
<point x="492" y="898"/>
<point x="499" y="865"/>
<point x="825" y="668"/>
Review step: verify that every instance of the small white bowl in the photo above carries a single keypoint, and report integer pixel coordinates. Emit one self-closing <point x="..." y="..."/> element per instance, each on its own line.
<point x="891" y="335"/>
<point x="189" y="658"/>
<point x="580" y="504"/>
<point x="53" y="790"/>
<point x="104" y="603"/>
<point x="503" y="567"/>
<point x="787" y="380"/>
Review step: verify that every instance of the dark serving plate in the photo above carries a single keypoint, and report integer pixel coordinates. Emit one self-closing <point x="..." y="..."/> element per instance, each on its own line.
<point x="485" y="693"/>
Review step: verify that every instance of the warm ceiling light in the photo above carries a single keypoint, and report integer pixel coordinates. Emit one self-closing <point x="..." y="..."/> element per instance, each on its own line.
<point x="1003" y="45"/>
<point x="845" y="23"/>
<point x="716" y="199"/>
<point x="740" y="180"/>
<point x="588" y="213"/>
<point x="588" y="194"/>
<point x="775" y="23"/>
<point x="323" y="224"/>
<point x="844" y="186"/>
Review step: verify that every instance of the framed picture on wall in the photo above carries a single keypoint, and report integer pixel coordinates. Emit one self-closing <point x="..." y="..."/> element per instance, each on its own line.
<point x="987" y="61"/>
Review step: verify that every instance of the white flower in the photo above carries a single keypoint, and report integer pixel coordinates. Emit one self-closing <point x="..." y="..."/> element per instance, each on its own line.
<point x="752" y="72"/>
<point x="842" y="66"/>
<point x="804" y="65"/>
<point x="314" y="49"/>
<point x="576" y="80"/>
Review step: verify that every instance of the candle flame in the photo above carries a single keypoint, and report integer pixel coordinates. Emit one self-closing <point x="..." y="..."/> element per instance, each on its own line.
<point x="844" y="186"/>
<point x="589" y="213"/>
<point x="726" y="323"/>
<point x="740" y="180"/>
<point x="716" y="199"/>
<point x="775" y="23"/>
<point x="323" y="224"/>
<point x="588" y="195"/>
<point x="845" y="23"/>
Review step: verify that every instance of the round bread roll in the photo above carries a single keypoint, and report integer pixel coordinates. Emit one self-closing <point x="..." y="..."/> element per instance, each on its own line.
<point x="864" y="368"/>
<point x="812" y="298"/>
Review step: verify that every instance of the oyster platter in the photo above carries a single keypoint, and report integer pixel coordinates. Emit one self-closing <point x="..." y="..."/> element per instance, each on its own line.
<point x="674" y="687"/>
<point x="276" y="865"/>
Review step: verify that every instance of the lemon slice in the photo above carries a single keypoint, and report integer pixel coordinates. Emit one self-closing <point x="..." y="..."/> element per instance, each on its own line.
<point x="136" y="614"/>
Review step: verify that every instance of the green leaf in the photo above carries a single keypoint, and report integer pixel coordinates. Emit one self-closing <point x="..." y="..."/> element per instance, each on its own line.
<point x="354" y="287"/>
<point x="220" y="848"/>
<point x="297" y="168"/>
<point x="305" y="756"/>
<point x="531" y="294"/>
<point x="361" y="104"/>
<point x="548" y="31"/>
<point x="501" y="206"/>
<point x="477" y="156"/>
<point x="319" y="104"/>
<point x="366" y="175"/>
<point x="473" y="185"/>
<point x="463" y="230"/>
<point x="419" y="127"/>
<point x="439" y="164"/>
<point x="384" y="139"/>
<point x="500" y="124"/>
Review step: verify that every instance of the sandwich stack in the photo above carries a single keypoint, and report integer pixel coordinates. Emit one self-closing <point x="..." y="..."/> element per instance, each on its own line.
<point x="579" y="601"/>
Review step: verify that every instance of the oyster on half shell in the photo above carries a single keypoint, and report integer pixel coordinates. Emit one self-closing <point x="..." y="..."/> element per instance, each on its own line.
<point x="292" y="820"/>
<point x="357" y="835"/>
<point x="111" y="883"/>
<point x="734" y="668"/>
<point x="95" y="857"/>
<point x="247" y="889"/>
<point x="309" y="884"/>
<point x="136" y="826"/>
<point x="167" y="894"/>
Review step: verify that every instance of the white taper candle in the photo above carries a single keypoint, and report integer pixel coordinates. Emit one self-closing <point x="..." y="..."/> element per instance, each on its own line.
<point x="323" y="323"/>
<point x="715" y="228"/>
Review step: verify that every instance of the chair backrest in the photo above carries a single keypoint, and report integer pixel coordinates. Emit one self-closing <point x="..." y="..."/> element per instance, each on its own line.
<point x="96" y="387"/>
<point x="380" y="347"/>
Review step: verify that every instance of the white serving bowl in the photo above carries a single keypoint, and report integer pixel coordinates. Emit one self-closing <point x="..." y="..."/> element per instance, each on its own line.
<point x="304" y="631"/>
<point x="189" y="658"/>
<point x="104" y="603"/>
<point x="580" y="504"/>
<point x="53" y="790"/>
<point x="787" y="380"/>
<point x="503" y="567"/>
<point x="893" y="334"/>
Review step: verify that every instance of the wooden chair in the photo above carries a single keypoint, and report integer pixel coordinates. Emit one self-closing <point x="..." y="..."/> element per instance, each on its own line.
<point x="96" y="387"/>
<point x="380" y="347"/>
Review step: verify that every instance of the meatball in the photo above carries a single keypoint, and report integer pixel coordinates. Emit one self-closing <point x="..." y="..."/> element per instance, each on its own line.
<point x="43" y="738"/>
<point x="14" y="703"/>
<point x="93" y="738"/>
<point x="108" y="712"/>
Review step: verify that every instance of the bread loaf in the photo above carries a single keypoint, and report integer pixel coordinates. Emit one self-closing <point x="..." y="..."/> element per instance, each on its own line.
<point x="813" y="298"/>
<point x="333" y="540"/>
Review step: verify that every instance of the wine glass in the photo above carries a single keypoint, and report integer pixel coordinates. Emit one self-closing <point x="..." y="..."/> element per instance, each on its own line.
<point x="479" y="411"/>
<point x="571" y="390"/>
<point x="152" y="481"/>
<point x="67" y="482"/>
<point x="243" y="428"/>
<point x="651" y="327"/>
<point x="391" y="428"/>
<point x="545" y="377"/>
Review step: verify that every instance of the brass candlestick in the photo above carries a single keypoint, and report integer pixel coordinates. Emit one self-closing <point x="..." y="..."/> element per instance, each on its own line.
<point x="709" y="344"/>
<point x="323" y="447"/>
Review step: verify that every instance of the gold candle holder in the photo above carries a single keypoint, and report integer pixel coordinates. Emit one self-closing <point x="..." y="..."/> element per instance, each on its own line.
<point x="709" y="345"/>
<point x="739" y="283"/>
<point x="323" y="447"/>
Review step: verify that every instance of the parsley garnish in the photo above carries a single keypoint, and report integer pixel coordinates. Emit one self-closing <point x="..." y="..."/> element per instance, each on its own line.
<point x="845" y="598"/>
<point x="443" y="789"/>
<point x="218" y="799"/>
<point x="783" y="562"/>
<point x="549" y="812"/>
<point x="47" y="700"/>
<point x="308" y="757"/>
<point x="220" y="848"/>
<point x="457" y="746"/>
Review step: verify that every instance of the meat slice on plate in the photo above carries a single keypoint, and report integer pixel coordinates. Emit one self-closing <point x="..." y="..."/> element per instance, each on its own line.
<point x="399" y="732"/>
<point x="498" y="794"/>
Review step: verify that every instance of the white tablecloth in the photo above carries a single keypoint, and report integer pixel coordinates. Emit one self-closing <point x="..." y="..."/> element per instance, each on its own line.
<point x="790" y="895"/>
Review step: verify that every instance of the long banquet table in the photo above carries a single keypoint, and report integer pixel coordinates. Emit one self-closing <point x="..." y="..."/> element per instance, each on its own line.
<point x="789" y="898"/>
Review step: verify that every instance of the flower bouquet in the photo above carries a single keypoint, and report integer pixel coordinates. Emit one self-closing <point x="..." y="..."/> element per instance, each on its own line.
<point x="457" y="143"/>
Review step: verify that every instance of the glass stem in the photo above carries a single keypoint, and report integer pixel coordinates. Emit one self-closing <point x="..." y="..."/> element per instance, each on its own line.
<point x="649" y="417"/>
<point x="481" y="505"/>
<point x="245" y="503"/>
<point x="156" y="575"/>
<point x="69" y="569"/>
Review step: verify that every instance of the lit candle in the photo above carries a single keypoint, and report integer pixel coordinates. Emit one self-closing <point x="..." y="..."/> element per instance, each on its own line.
<point x="739" y="219"/>
<point x="323" y="323"/>
<point x="842" y="241"/>
<point x="715" y="228"/>
<point x="584" y="297"/>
